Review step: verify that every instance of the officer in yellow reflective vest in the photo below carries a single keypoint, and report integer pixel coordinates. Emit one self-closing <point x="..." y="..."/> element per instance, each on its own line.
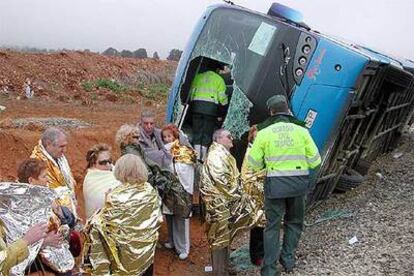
<point x="208" y="97"/>
<point x="286" y="150"/>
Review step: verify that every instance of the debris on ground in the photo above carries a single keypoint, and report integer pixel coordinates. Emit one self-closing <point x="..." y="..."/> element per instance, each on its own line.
<point x="397" y="155"/>
<point x="353" y="240"/>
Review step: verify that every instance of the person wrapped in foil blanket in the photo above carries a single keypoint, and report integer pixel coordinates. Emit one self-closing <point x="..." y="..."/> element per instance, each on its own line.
<point x="22" y="206"/>
<point x="228" y="209"/>
<point x="121" y="238"/>
<point x="253" y="185"/>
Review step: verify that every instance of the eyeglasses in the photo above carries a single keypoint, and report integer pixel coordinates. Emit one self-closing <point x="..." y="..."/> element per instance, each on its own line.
<point x="105" y="162"/>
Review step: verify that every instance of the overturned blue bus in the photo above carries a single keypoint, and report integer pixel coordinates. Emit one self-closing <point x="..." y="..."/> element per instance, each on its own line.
<point x="354" y="101"/>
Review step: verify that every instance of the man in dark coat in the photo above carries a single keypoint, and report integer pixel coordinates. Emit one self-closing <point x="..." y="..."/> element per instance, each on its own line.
<point x="151" y="141"/>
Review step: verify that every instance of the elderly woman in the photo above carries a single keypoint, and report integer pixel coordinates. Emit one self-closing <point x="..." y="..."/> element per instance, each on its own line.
<point x="169" y="187"/>
<point x="121" y="238"/>
<point x="99" y="179"/>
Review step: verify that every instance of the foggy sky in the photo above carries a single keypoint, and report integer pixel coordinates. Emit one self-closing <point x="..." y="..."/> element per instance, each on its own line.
<point x="160" y="25"/>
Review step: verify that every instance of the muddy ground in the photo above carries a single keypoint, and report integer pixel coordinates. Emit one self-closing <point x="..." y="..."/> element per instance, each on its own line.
<point x="95" y="124"/>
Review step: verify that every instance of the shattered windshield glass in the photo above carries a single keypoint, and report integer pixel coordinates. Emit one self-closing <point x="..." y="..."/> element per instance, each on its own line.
<point x="237" y="38"/>
<point x="241" y="40"/>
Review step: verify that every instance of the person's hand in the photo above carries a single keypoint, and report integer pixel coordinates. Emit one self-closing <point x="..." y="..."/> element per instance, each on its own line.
<point x="53" y="239"/>
<point x="57" y="209"/>
<point x="35" y="233"/>
<point x="107" y="194"/>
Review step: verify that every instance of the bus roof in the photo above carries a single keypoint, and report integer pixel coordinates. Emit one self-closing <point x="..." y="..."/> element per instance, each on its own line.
<point x="355" y="47"/>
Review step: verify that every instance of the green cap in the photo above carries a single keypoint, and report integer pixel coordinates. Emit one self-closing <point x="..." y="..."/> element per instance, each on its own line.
<point x="274" y="100"/>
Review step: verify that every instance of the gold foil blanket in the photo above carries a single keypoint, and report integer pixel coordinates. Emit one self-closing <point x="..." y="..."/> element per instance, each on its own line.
<point x="228" y="209"/>
<point x="121" y="238"/>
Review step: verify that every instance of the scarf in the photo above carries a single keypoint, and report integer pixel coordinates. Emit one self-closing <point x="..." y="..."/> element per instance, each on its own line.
<point x="59" y="176"/>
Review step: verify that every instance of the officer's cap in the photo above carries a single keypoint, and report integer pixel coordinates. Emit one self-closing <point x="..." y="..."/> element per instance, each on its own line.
<point x="275" y="100"/>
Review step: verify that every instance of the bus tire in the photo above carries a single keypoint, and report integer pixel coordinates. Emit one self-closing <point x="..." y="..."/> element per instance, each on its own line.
<point x="349" y="180"/>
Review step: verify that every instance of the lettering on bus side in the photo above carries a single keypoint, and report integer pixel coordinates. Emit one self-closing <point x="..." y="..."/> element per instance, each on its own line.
<point x="310" y="118"/>
<point x="315" y="70"/>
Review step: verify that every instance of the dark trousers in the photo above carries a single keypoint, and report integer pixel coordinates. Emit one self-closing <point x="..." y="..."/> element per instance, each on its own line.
<point x="292" y="211"/>
<point x="220" y="259"/>
<point x="256" y="244"/>
<point x="203" y="128"/>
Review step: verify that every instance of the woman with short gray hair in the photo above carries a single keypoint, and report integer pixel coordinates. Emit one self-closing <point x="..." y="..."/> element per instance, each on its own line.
<point x="122" y="237"/>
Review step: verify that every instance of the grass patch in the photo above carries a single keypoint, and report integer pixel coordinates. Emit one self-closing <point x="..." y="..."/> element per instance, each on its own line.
<point x="88" y="86"/>
<point x="152" y="91"/>
<point x="111" y="85"/>
<point x="104" y="83"/>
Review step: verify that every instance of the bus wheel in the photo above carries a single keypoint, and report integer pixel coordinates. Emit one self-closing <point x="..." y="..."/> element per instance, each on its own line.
<point x="349" y="180"/>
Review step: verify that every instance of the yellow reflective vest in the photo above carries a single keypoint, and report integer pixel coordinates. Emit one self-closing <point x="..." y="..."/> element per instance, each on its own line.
<point x="287" y="152"/>
<point x="209" y="87"/>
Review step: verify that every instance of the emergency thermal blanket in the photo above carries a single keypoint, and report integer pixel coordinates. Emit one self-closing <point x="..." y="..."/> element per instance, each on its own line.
<point x="121" y="238"/>
<point x="22" y="206"/>
<point x="228" y="209"/>
<point x="253" y="184"/>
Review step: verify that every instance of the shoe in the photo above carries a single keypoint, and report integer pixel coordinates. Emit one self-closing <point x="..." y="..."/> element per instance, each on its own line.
<point x="183" y="256"/>
<point x="168" y="245"/>
<point x="287" y="266"/>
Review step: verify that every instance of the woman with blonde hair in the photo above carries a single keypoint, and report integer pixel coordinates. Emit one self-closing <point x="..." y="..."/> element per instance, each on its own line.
<point x="121" y="238"/>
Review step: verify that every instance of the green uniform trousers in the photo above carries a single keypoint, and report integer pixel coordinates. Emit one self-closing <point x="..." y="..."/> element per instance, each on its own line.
<point x="203" y="129"/>
<point x="292" y="211"/>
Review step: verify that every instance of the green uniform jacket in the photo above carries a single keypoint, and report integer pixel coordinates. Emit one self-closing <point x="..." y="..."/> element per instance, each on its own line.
<point x="208" y="92"/>
<point x="287" y="152"/>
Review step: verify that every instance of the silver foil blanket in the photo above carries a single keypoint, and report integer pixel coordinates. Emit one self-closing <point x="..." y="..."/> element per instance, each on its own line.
<point x="22" y="206"/>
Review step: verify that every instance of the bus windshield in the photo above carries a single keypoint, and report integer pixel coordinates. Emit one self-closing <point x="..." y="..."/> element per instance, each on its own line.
<point x="238" y="38"/>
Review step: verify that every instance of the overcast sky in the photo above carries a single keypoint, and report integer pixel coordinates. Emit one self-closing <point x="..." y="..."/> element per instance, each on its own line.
<point x="160" y="25"/>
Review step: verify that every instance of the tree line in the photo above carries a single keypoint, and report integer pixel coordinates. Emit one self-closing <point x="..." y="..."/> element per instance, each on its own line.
<point x="175" y="54"/>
